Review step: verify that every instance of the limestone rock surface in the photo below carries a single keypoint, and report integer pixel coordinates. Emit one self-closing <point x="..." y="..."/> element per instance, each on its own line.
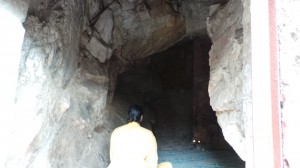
<point x="61" y="94"/>
<point x="142" y="29"/>
<point x="229" y="85"/>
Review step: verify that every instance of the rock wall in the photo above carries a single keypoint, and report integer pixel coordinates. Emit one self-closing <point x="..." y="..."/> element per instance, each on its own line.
<point x="141" y="28"/>
<point x="61" y="94"/>
<point x="289" y="64"/>
<point x="229" y="85"/>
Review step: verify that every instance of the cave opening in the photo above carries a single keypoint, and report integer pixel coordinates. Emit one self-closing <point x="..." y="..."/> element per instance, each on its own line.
<point x="172" y="87"/>
<point x="77" y="54"/>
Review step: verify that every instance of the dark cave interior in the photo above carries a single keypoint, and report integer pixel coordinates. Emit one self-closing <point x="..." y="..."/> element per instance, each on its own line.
<point x="172" y="86"/>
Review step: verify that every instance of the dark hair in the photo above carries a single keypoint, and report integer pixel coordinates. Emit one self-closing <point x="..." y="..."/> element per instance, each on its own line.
<point x="135" y="113"/>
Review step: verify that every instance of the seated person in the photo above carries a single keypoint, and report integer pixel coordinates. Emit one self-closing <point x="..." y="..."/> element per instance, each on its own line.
<point x="132" y="146"/>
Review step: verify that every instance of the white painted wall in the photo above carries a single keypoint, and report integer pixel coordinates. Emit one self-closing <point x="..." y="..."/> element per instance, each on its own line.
<point x="261" y="86"/>
<point x="289" y="55"/>
<point x="12" y="14"/>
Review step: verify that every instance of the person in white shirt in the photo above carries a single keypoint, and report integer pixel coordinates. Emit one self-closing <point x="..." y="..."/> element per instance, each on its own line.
<point x="132" y="146"/>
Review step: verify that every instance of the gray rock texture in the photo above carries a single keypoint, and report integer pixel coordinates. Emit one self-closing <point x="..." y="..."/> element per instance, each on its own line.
<point x="61" y="95"/>
<point x="229" y="85"/>
<point x="142" y="29"/>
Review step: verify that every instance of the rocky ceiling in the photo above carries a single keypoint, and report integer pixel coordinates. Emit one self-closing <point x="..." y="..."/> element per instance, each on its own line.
<point x="130" y="29"/>
<point x="118" y="32"/>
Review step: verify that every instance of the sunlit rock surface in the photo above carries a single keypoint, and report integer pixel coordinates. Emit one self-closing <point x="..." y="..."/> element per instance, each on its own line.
<point x="61" y="95"/>
<point x="229" y="85"/>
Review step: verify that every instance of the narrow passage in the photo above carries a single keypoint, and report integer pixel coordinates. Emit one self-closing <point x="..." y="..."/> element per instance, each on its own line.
<point x="173" y="130"/>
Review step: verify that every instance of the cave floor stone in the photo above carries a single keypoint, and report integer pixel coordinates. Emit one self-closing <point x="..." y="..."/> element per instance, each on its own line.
<point x="173" y="132"/>
<point x="177" y="148"/>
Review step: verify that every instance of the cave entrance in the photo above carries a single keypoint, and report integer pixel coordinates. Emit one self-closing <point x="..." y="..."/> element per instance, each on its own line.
<point x="172" y="86"/>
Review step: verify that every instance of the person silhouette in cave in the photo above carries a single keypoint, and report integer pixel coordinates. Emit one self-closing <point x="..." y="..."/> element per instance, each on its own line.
<point x="132" y="146"/>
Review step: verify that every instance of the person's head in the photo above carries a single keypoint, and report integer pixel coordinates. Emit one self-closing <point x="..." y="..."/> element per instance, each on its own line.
<point x="135" y="113"/>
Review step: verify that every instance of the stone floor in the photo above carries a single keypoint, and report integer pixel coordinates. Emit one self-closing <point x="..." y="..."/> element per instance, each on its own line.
<point x="178" y="149"/>
<point x="173" y="131"/>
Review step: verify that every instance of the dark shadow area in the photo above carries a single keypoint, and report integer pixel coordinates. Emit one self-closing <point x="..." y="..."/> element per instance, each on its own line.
<point x="172" y="86"/>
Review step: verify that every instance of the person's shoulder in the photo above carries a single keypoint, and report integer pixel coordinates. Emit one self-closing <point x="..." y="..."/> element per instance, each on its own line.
<point x="146" y="131"/>
<point x="119" y="128"/>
